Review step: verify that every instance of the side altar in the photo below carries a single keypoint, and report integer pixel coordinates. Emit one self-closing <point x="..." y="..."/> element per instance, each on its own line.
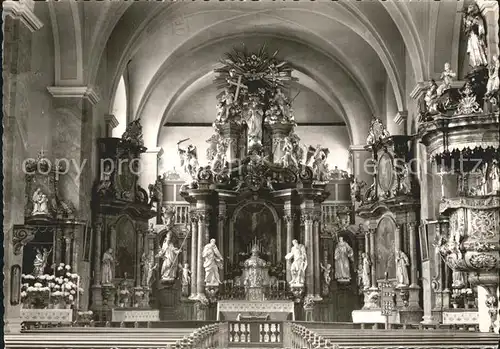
<point x="255" y="227"/>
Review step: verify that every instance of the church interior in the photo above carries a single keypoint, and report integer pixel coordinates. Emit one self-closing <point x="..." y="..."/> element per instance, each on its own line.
<point x="269" y="174"/>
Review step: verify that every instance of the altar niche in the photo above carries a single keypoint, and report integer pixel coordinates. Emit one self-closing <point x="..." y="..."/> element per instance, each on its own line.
<point x="255" y="220"/>
<point x="124" y="243"/>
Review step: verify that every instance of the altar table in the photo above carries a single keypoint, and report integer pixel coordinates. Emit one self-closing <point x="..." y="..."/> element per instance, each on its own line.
<point x="278" y="310"/>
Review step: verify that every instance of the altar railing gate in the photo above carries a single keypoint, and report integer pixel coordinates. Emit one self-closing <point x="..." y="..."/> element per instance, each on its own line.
<point x="255" y="334"/>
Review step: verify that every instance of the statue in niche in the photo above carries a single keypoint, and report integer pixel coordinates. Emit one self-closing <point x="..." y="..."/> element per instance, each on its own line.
<point x="186" y="274"/>
<point x="40" y="262"/>
<point x="147" y="263"/>
<point x="458" y="278"/>
<point x="189" y="159"/>
<point x="40" y="203"/>
<point x="494" y="177"/>
<point x="212" y="262"/>
<point x="254" y="115"/>
<point x="447" y="76"/>
<point x="299" y="264"/>
<point x="365" y="270"/>
<point x="404" y="180"/>
<point x="107" y="267"/>
<point x="343" y="253"/>
<point x="493" y="84"/>
<point x="475" y="32"/>
<point x="402" y="263"/>
<point x="169" y="254"/>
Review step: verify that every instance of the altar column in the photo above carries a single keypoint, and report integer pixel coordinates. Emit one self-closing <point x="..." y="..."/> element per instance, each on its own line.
<point x="194" y="254"/>
<point x="57" y="246"/>
<point x="97" y="253"/>
<point x="414" y="287"/>
<point x="203" y="236"/>
<point x="307" y="218"/>
<point x="373" y="258"/>
<point x="397" y="239"/>
<point x="489" y="10"/>
<point x="289" y="217"/>
<point x="317" y="273"/>
<point x="138" y="244"/>
<point x="221" y="222"/>
<point x="67" y="246"/>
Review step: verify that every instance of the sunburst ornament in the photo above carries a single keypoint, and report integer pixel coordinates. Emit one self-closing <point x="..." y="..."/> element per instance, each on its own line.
<point x="246" y="72"/>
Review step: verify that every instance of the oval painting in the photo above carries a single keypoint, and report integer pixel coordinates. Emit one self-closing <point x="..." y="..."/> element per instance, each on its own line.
<point x="385" y="174"/>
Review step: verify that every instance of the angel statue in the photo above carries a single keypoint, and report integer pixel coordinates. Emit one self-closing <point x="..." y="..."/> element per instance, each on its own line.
<point x="216" y="153"/>
<point x="156" y="193"/>
<point x="224" y="106"/>
<point x="299" y="264"/>
<point x="447" y="75"/>
<point x="319" y="165"/>
<point x="189" y="159"/>
<point x="475" y="32"/>
<point x="40" y="203"/>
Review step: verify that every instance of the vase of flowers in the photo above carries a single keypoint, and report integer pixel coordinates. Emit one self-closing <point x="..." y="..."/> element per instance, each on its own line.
<point x="35" y="292"/>
<point x="138" y="297"/>
<point x="85" y="318"/>
<point x="124" y="296"/>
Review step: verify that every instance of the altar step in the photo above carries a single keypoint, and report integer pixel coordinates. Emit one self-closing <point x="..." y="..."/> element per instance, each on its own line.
<point x="97" y="338"/>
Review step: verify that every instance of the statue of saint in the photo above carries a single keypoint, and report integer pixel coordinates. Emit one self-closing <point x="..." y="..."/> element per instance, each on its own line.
<point x="476" y="36"/>
<point x="189" y="159"/>
<point x="147" y="261"/>
<point x="494" y="177"/>
<point x="402" y="263"/>
<point x="40" y="262"/>
<point x="493" y="80"/>
<point x="430" y="98"/>
<point x="447" y="76"/>
<point x="365" y="271"/>
<point x="405" y="180"/>
<point x="288" y="159"/>
<point x="299" y="264"/>
<point x="254" y="122"/>
<point x="343" y="253"/>
<point x="186" y="274"/>
<point x="212" y="262"/>
<point x="107" y="267"/>
<point x="40" y="203"/>
<point x="169" y="254"/>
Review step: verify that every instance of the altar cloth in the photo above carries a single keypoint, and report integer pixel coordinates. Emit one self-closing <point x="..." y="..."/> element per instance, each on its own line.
<point x="278" y="310"/>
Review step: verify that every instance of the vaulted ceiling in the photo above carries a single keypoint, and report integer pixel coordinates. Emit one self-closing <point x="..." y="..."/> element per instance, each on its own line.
<point x="354" y="55"/>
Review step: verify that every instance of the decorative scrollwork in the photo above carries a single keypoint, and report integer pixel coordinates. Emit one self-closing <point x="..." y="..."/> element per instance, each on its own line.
<point x="483" y="261"/>
<point x="205" y="174"/>
<point x="305" y="174"/>
<point x="21" y="236"/>
<point x="483" y="224"/>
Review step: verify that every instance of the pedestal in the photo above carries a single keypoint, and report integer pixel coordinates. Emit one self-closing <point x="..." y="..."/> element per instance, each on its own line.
<point x="231" y="132"/>
<point x="278" y="133"/>
<point x="108" y="295"/>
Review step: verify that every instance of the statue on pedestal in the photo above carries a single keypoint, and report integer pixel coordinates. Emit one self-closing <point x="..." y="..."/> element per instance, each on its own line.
<point x="493" y="84"/>
<point x="40" y="203"/>
<point x="475" y="31"/>
<point x="402" y="263"/>
<point x="447" y="75"/>
<point x="40" y="262"/>
<point x="254" y="115"/>
<point x="319" y="165"/>
<point x="299" y="264"/>
<point x="212" y="262"/>
<point x="343" y="253"/>
<point x="189" y="159"/>
<point x="255" y="275"/>
<point x="225" y="109"/>
<point x="216" y="152"/>
<point x="107" y="267"/>
<point x="365" y="271"/>
<point x="147" y="261"/>
<point x="156" y="193"/>
<point x="186" y="274"/>
<point x="292" y="153"/>
<point x="169" y="254"/>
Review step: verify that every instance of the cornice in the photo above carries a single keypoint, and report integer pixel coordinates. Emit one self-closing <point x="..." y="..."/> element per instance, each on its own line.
<point x="157" y="150"/>
<point x="22" y="10"/>
<point x="74" y="92"/>
<point x="111" y="120"/>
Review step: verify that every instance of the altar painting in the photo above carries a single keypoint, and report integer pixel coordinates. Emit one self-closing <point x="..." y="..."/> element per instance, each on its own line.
<point x="125" y="249"/>
<point x="385" y="248"/>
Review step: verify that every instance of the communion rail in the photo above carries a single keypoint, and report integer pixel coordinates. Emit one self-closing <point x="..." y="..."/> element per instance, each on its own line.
<point x="208" y="336"/>
<point x="300" y="337"/>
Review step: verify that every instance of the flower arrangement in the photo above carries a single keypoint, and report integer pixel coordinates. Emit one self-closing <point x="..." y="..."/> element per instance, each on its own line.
<point x="138" y="297"/>
<point x="59" y="289"/>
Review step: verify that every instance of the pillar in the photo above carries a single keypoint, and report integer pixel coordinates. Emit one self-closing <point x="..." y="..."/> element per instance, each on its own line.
<point x="110" y="124"/>
<point x="307" y="218"/>
<point x="489" y="10"/>
<point x="317" y="272"/>
<point x="194" y="254"/>
<point x="278" y="133"/>
<point x="67" y="249"/>
<point x="397" y="240"/>
<point x="203" y="235"/>
<point x="149" y="167"/>
<point x="414" y="298"/>
<point x="57" y="246"/>
<point x="97" y="253"/>
<point x="221" y="223"/>
<point x="367" y="249"/>
<point x="373" y="258"/>
<point x="138" y="254"/>
<point x="19" y="23"/>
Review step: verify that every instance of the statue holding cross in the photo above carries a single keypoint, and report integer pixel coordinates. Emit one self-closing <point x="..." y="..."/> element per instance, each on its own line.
<point x="239" y="85"/>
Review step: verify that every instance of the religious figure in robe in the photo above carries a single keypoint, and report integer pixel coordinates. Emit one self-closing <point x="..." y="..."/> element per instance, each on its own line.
<point x="365" y="271"/>
<point x="402" y="263"/>
<point x="168" y="253"/>
<point x="476" y="36"/>
<point x="212" y="262"/>
<point x="343" y="253"/>
<point x="40" y="261"/>
<point x="40" y="203"/>
<point x="147" y="261"/>
<point x="254" y="122"/>
<point x="299" y="264"/>
<point x="107" y="267"/>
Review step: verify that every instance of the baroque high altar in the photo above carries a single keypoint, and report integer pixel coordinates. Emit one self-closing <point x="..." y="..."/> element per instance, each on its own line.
<point x="254" y="238"/>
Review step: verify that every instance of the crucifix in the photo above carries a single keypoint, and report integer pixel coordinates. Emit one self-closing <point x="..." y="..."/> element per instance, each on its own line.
<point x="238" y="85"/>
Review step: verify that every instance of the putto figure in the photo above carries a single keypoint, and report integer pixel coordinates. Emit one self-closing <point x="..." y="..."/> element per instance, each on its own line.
<point x="299" y="264"/>
<point x="447" y="75"/>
